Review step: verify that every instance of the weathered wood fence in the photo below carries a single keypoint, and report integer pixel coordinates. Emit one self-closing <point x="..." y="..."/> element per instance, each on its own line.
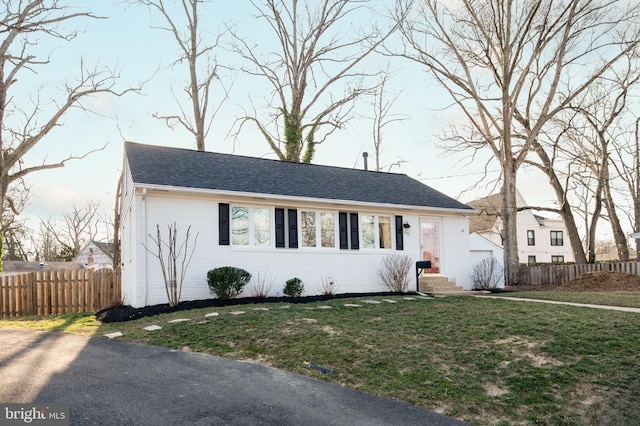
<point x="560" y="274"/>
<point x="58" y="292"/>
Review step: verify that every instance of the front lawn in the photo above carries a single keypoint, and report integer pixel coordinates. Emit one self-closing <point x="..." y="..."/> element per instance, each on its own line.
<point x="485" y="361"/>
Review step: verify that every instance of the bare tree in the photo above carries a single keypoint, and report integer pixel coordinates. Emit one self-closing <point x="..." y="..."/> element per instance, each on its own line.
<point x="174" y="261"/>
<point x="195" y="51"/>
<point x="320" y="54"/>
<point x="627" y="165"/>
<point x="382" y="116"/>
<point x="25" y="121"/>
<point x="76" y="228"/>
<point x="510" y="67"/>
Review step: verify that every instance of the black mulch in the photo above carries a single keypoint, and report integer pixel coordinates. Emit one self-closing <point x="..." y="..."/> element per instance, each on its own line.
<point x="128" y="313"/>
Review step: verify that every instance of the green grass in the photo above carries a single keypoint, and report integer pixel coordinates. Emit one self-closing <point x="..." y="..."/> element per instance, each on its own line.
<point x="629" y="299"/>
<point x="485" y="361"/>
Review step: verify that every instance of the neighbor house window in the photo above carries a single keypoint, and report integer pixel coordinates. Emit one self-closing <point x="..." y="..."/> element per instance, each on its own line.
<point x="318" y="229"/>
<point x="531" y="260"/>
<point x="250" y="226"/>
<point x="531" y="237"/>
<point x="376" y="228"/>
<point x="557" y="259"/>
<point x="556" y="238"/>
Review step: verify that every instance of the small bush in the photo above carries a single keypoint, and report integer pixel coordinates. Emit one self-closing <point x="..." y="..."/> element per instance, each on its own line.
<point x="261" y="286"/>
<point x="293" y="287"/>
<point x="227" y="282"/>
<point x="486" y="274"/>
<point x="395" y="272"/>
<point x="328" y="285"/>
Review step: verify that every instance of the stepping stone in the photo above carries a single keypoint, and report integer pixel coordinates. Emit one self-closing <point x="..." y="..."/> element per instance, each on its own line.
<point x="113" y="335"/>
<point x="325" y="307"/>
<point x="211" y="314"/>
<point x="237" y="312"/>
<point x="389" y="301"/>
<point x="153" y="328"/>
<point x="260" y="309"/>
<point x="308" y="308"/>
<point x="352" y="305"/>
<point x="178" y="320"/>
<point x="285" y="307"/>
<point x="409" y="298"/>
<point x="373" y="302"/>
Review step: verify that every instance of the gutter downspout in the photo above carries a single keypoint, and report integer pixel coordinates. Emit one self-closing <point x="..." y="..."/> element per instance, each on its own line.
<point x="143" y="228"/>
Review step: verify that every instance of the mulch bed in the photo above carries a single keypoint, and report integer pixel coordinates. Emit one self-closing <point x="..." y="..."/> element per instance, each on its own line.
<point x="591" y="281"/>
<point x="128" y="313"/>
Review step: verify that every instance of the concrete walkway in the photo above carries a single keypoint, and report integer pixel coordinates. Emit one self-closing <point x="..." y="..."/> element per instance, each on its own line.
<point x="555" y="302"/>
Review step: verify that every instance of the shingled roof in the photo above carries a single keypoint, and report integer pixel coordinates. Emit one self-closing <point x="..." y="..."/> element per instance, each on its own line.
<point x="175" y="167"/>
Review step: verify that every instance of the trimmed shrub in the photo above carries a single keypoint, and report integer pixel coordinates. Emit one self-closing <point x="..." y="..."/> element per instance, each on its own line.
<point x="293" y="287"/>
<point x="227" y="282"/>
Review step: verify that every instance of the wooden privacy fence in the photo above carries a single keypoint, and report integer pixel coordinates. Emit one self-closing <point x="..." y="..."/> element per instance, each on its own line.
<point x="560" y="274"/>
<point x="58" y="292"/>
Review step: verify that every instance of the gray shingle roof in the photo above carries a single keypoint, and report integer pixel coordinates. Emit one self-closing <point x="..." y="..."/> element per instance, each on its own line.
<point x="156" y="165"/>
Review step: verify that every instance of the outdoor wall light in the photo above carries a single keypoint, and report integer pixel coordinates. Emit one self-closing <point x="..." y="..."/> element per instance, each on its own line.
<point x="406" y="225"/>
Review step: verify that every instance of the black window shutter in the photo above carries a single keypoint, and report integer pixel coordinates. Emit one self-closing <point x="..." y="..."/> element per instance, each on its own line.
<point x="399" y="234"/>
<point x="343" y="226"/>
<point x="355" y="238"/>
<point x="293" y="228"/>
<point x="279" y="228"/>
<point x="223" y="224"/>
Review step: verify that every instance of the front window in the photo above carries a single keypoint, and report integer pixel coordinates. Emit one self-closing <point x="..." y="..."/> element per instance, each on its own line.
<point x="531" y="260"/>
<point x="328" y="229"/>
<point x="368" y="231"/>
<point x="556" y="238"/>
<point x="308" y="224"/>
<point x="372" y="223"/>
<point x="557" y="259"/>
<point x="384" y="229"/>
<point x="250" y="226"/>
<point x="240" y="226"/>
<point x="318" y="229"/>
<point x="531" y="238"/>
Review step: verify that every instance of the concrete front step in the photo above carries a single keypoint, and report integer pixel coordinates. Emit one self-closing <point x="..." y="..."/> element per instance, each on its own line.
<point x="437" y="284"/>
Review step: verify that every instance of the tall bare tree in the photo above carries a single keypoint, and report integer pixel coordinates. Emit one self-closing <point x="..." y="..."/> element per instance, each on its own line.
<point x="183" y="23"/>
<point x="76" y="228"/>
<point x="383" y="116"/>
<point x="627" y="166"/>
<point x="510" y="67"/>
<point x="25" y="119"/>
<point x="315" y="76"/>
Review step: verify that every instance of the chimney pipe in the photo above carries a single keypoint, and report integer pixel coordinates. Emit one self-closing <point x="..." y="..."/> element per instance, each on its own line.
<point x="365" y="155"/>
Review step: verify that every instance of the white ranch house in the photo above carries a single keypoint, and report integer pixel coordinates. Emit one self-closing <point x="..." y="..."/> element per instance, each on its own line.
<point x="281" y="220"/>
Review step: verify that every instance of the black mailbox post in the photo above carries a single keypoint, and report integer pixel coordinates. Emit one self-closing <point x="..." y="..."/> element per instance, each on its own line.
<point x="420" y="265"/>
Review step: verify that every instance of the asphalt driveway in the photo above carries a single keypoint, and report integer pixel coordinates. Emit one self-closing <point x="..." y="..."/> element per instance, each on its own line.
<point x="110" y="382"/>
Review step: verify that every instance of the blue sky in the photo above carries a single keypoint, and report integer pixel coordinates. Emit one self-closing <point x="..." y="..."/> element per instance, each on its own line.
<point x="142" y="53"/>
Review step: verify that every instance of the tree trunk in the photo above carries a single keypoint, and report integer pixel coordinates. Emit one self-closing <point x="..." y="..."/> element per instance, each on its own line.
<point x="619" y="236"/>
<point x="510" y="229"/>
<point x="565" y="208"/>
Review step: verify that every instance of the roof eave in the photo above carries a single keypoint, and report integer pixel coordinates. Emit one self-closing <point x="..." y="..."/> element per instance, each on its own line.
<point x="284" y="198"/>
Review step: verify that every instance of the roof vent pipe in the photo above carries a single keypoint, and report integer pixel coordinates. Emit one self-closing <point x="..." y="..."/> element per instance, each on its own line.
<point x="365" y="155"/>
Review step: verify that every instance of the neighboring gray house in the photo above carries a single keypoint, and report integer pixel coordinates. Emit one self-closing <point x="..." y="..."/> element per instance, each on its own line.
<point x="281" y="220"/>
<point x="96" y="255"/>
